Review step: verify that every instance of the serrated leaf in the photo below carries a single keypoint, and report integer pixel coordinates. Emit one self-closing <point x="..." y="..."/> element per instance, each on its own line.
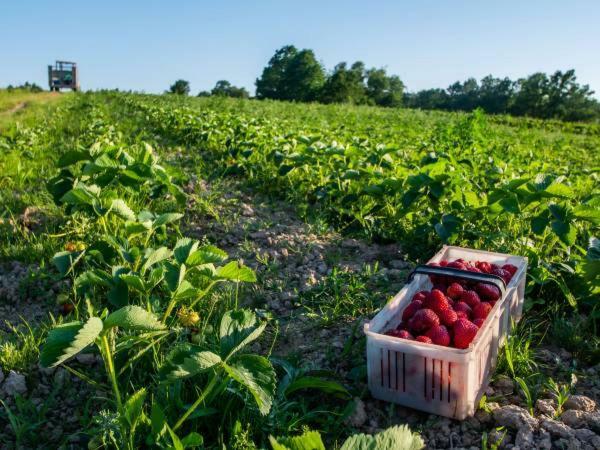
<point x="72" y="157"/>
<point x="565" y="231"/>
<point x="206" y="254"/>
<point x="236" y="272"/>
<point x="194" y="364"/>
<point x="66" y="340"/>
<point x="394" y="438"/>
<point x="256" y="374"/>
<point x="166" y="218"/>
<point x="134" y="282"/>
<point x="133" y="407"/>
<point x="121" y="209"/>
<point x="174" y="275"/>
<point x="133" y="318"/>
<point x="309" y="440"/>
<point x="238" y="328"/>
<point x="93" y="278"/>
<point x="156" y="256"/>
<point x="65" y="261"/>
<point x="183" y="248"/>
<point x="308" y="382"/>
<point x="588" y="213"/>
<point x="559" y="190"/>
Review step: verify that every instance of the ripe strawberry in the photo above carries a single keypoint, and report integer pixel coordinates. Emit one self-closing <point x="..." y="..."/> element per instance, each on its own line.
<point x="470" y="298"/>
<point x="437" y="301"/>
<point x="505" y="274"/>
<point x="464" y="333"/>
<point x="411" y="309"/>
<point x="510" y="269"/>
<point x="448" y="316"/>
<point x="424" y="339"/>
<point x="484" y="266"/>
<point x="474" y="269"/>
<point x="443" y="263"/>
<point x="454" y="291"/>
<point x="421" y="295"/>
<point x="487" y="291"/>
<point x="435" y="278"/>
<point x="481" y="310"/>
<point x="66" y="308"/>
<point x="423" y="320"/>
<point x="458" y="264"/>
<point x="463" y="307"/>
<point x="403" y="334"/>
<point x="462" y="315"/>
<point x="439" y="335"/>
<point x="479" y="322"/>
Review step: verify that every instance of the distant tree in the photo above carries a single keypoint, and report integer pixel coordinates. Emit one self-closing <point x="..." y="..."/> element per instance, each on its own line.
<point x="27" y="86"/>
<point x="291" y="74"/>
<point x="464" y="96"/>
<point x="203" y="94"/>
<point x="180" y="87"/>
<point x="346" y="85"/>
<point x="569" y="100"/>
<point x="428" y="99"/>
<point x="496" y="94"/>
<point x="384" y="90"/>
<point x="224" y="88"/>
<point x="532" y="96"/>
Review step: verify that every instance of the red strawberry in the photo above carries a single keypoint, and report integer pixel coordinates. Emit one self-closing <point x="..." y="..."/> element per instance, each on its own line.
<point x="421" y="295"/>
<point x="424" y="339"/>
<point x="393" y="333"/>
<point x="464" y="333"/>
<point x="479" y="322"/>
<point x="411" y="309"/>
<point x="437" y="301"/>
<point x="454" y="291"/>
<point x="423" y="320"/>
<point x="474" y="269"/>
<point x="462" y="315"/>
<point x="440" y="286"/>
<point x="439" y="335"/>
<point x="505" y="274"/>
<point x="403" y="334"/>
<point x="470" y="298"/>
<point x="443" y="263"/>
<point x="488" y="291"/>
<point x="510" y="269"/>
<point x="495" y="266"/>
<point x="463" y="307"/>
<point x="481" y="310"/>
<point x="448" y="317"/>
<point x="484" y="266"/>
<point x="457" y="265"/>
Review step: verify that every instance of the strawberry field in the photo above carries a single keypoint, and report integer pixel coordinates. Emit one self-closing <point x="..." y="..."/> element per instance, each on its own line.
<point x="195" y="273"/>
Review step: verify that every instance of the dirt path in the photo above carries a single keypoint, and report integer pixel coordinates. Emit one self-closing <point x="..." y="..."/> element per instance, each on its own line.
<point x="14" y="109"/>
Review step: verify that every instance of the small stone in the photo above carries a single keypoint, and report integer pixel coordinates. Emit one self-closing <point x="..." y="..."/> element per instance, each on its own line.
<point x="60" y="376"/>
<point x="322" y="268"/>
<point x="483" y="416"/>
<point x="580" y="403"/>
<point x="584" y="434"/>
<point x="546" y="407"/>
<point x="513" y="416"/>
<point x="15" y="384"/>
<point x="557" y="428"/>
<point x="284" y="252"/>
<point x="399" y="264"/>
<point x="505" y="385"/>
<point x="524" y="438"/>
<point x="247" y="210"/>
<point x="350" y="243"/>
<point x="359" y="415"/>
<point x="258" y="235"/>
<point x="574" y="418"/>
<point x="87" y="359"/>
<point x="545" y="441"/>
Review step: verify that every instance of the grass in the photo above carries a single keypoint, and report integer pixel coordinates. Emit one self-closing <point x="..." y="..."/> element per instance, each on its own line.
<point x="20" y="348"/>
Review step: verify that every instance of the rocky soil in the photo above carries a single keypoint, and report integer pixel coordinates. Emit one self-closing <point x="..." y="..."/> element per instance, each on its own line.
<point x="301" y="267"/>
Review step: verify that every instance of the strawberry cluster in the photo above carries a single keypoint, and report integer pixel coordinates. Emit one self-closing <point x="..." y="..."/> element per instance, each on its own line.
<point x="451" y="313"/>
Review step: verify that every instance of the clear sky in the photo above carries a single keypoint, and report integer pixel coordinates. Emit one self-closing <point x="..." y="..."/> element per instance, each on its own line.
<point x="146" y="45"/>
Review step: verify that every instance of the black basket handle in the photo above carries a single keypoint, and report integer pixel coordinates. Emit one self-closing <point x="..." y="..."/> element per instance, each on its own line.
<point x="487" y="278"/>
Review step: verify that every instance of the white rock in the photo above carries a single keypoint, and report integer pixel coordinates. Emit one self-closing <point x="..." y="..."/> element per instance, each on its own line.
<point x="14" y="384"/>
<point x="513" y="416"/>
<point x="546" y="407"/>
<point x="359" y="415"/>
<point x="580" y="403"/>
<point x="557" y="428"/>
<point x="524" y="438"/>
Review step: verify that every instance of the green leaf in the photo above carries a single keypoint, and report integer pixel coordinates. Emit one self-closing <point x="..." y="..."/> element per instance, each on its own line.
<point x="206" y="254"/>
<point x="78" y="196"/>
<point x="120" y="208"/>
<point x="256" y="374"/>
<point x="238" y="328"/>
<point x="166" y="218"/>
<point x="510" y="204"/>
<point x="565" y="231"/>
<point x="284" y="169"/>
<point x="66" y="340"/>
<point x="134" y="282"/>
<point x="177" y="444"/>
<point x="309" y="440"/>
<point x="559" y="190"/>
<point x="133" y="318"/>
<point x="394" y="438"/>
<point x="174" y="275"/>
<point x="192" y="440"/>
<point x="156" y="256"/>
<point x="308" y="382"/>
<point x="588" y="213"/>
<point x="183" y="248"/>
<point x="72" y="157"/>
<point x="193" y="364"/>
<point x="65" y="261"/>
<point x="133" y="407"/>
<point x="236" y="272"/>
<point x="158" y="421"/>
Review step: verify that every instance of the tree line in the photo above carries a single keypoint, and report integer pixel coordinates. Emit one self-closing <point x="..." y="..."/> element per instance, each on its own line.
<point x="296" y="75"/>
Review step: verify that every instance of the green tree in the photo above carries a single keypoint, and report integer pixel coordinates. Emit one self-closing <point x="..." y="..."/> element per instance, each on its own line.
<point x="496" y="94"/>
<point x="291" y="75"/>
<point x="384" y="90"/>
<point x="224" y="88"/>
<point x="180" y="87"/>
<point x="428" y="99"/>
<point x="346" y="85"/>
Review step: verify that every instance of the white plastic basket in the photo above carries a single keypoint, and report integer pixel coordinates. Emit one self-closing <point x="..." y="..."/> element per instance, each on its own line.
<point x="441" y="380"/>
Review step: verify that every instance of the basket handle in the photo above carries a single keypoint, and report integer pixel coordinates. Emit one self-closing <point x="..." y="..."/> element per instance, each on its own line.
<point x="487" y="278"/>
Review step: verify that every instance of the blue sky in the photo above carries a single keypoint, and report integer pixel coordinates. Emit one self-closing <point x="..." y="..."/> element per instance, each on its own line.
<point x="146" y="45"/>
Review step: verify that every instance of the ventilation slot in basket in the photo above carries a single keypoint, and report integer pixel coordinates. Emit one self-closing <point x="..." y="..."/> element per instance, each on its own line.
<point x="437" y="382"/>
<point x="393" y="370"/>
